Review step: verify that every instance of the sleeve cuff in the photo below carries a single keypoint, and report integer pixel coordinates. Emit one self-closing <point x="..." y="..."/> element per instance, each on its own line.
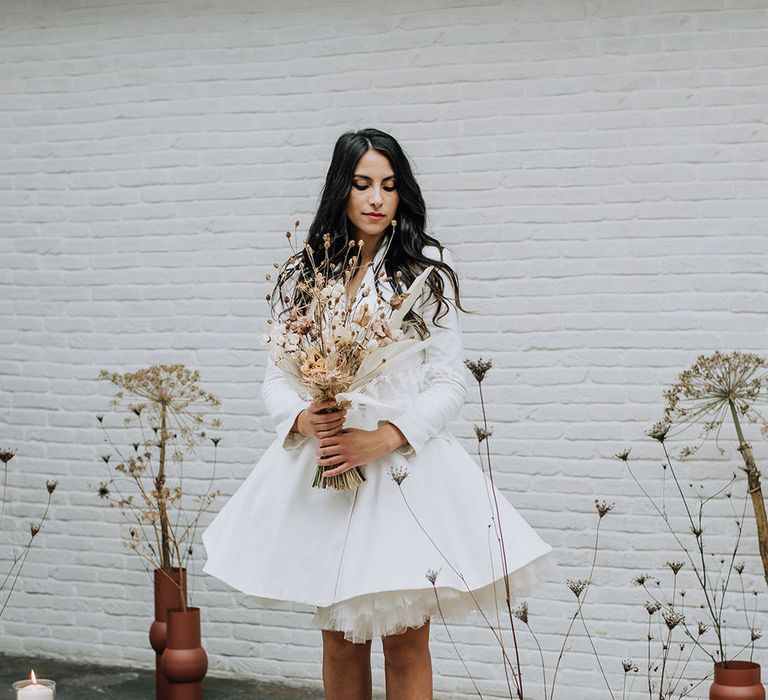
<point x="291" y="440"/>
<point x="407" y="448"/>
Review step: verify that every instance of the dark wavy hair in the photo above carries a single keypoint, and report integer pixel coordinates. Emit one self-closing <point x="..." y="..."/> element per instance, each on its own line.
<point x="405" y="250"/>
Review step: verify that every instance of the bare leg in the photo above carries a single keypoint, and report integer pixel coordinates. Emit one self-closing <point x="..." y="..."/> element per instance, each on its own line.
<point x="346" y="668"/>
<point x="408" y="664"/>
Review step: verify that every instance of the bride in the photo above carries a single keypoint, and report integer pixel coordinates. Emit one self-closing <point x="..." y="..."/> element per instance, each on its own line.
<point x="378" y="559"/>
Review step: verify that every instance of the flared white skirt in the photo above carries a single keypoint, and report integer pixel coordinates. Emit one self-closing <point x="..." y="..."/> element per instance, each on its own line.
<point x="385" y="556"/>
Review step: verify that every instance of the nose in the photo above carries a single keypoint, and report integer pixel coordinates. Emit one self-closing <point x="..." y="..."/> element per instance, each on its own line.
<point x="376" y="198"/>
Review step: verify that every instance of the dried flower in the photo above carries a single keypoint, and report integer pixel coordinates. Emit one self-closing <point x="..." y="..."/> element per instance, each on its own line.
<point x="754" y="635"/>
<point x="739" y="567"/>
<point x="603" y="508"/>
<point x="577" y="587"/>
<point x="51" y="485"/>
<point x="432" y="576"/>
<point x="623" y="455"/>
<point x="628" y="666"/>
<point x="705" y="392"/>
<point x="675" y="566"/>
<point x="482" y="433"/>
<point x="34" y="528"/>
<point x="658" y="431"/>
<point x="702" y="628"/>
<point x="521" y="612"/>
<point x="479" y="368"/>
<point x="652" y="607"/>
<point x="398" y="474"/>
<point x="672" y="619"/>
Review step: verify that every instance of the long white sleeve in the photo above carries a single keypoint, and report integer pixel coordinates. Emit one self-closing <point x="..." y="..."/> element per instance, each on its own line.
<point x="445" y="374"/>
<point x="283" y="403"/>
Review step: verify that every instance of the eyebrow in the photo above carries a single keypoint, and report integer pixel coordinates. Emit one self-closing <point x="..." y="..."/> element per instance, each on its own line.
<point x="365" y="177"/>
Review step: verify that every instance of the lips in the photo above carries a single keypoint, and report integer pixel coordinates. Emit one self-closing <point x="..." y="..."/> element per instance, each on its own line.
<point x="375" y="217"/>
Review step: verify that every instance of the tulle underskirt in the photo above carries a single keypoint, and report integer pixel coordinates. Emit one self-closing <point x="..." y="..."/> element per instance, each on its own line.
<point x="391" y="612"/>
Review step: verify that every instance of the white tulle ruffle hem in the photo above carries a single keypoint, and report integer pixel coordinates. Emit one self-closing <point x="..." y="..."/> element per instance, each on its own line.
<point x="391" y="612"/>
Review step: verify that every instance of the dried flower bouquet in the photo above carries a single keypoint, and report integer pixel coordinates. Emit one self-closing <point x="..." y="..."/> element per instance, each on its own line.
<point x="332" y="343"/>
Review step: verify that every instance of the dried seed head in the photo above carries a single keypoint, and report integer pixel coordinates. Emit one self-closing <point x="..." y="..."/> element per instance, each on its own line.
<point x="623" y="455"/>
<point x="521" y="612"/>
<point x="398" y="474"/>
<point x="603" y="508"/>
<point x="577" y="587"/>
<point x="675" y="566"/>
<point x="479" y="368"/>
<point x="658" y="431"/>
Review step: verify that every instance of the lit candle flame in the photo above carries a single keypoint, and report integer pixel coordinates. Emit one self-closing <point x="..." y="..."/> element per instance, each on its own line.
<point x="34" y="680"/>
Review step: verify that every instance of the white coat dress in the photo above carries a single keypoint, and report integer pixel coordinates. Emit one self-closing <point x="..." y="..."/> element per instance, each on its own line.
<point x="361" y="557"/>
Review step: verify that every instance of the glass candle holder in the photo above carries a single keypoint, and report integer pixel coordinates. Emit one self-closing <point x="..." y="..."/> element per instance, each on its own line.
<point x="43" y="689"/>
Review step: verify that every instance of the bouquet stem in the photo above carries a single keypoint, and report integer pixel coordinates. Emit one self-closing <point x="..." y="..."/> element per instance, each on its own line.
<point x="348" y="480"/>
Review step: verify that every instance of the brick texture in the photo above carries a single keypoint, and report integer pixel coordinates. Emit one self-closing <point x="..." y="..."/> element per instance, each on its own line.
<point x="599" y="169"/>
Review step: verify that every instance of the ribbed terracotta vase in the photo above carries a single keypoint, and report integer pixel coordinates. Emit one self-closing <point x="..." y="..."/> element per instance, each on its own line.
<point x="737" y="680"/>
<point x="166" y="596"/>
<point x="184" y="661"/>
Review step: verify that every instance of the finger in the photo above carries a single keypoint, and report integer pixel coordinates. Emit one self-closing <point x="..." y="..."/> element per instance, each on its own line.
<point x="330" y="460"/>
<point x="320" y="405"/>
<point x="327" y="433"/>
<point x="326" y="418"/>
<point x="345" y="467"/>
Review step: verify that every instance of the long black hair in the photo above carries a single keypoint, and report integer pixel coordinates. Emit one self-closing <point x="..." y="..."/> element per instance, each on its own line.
<point x="404" y="253"/>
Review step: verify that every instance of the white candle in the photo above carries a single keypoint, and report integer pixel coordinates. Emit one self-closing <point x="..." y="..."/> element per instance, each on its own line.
<point x="36" y="690"/>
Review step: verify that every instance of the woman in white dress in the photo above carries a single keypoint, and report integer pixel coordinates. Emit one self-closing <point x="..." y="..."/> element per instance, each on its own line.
<point x="374" y="561"/>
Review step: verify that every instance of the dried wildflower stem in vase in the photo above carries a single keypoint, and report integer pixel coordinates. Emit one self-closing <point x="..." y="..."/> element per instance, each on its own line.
<point x="715" y="386"/>
<point x="755" y="491"/>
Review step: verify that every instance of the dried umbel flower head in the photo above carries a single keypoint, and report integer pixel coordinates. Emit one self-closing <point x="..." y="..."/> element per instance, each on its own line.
<point x="702" y="628"/>
<point x="623" y="455"/>
<point x="170" y="391"/>
<point x="675" y="566"/>
<point x="603" y="508"/>
<point x="398" y="474"/>
<point x="715" y="386"/>
<point x="672" y="618"/>
<point x="658" y="431"/>
<point x="628" y="666"/>
<point x="521" y="612"/>
<point x="652" y="607"/>
<point x="577" y="587"/>
<point x="432" y="576"/>
<point x="6" y="455"/>
<point x="479" y="368"/>
<point x="482" y="433"/>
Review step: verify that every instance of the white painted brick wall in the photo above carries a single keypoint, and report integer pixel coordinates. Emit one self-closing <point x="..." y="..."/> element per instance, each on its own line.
<point x="598" y="167"/>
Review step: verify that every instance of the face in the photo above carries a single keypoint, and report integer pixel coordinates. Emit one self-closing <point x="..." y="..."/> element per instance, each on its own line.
<point x="374" y="191"/>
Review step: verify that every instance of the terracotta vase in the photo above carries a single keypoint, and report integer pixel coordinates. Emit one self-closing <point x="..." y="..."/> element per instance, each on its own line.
<point x="166" y="596"/>
<point x="737" y="680"/>
<point x="184" y="662"/>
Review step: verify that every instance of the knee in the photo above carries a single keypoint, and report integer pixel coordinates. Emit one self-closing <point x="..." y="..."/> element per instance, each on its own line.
<point x="411" y="648"/>
<point x="336" y="649"/>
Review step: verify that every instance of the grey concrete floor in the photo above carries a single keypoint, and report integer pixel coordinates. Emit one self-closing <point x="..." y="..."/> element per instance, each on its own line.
<point x="76" y="681"/>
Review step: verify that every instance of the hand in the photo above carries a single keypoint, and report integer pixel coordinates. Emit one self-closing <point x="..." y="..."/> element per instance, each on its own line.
<point x="312" y="422"/>
<point x="352" y="447"/>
